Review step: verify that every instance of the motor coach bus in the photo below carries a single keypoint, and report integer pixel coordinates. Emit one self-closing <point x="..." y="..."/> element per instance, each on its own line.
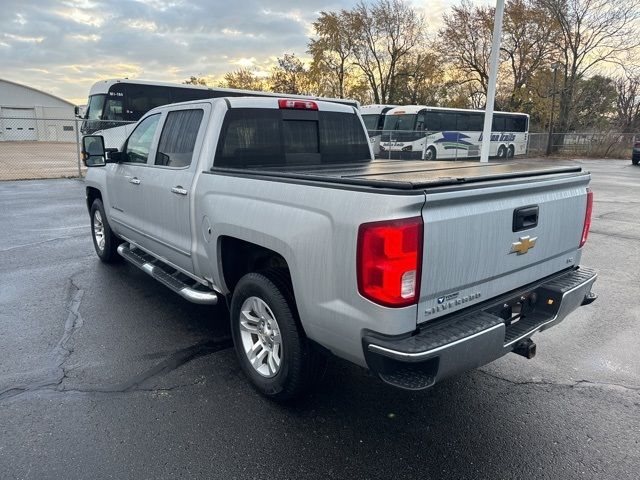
<point x="430" y="133"/>
<point x="373" y="116"/>
<point x="114" y="105"/>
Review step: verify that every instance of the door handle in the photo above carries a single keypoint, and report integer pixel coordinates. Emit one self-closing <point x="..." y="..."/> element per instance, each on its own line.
<point x="134" y="180"/>
<point x="179" y="190"/>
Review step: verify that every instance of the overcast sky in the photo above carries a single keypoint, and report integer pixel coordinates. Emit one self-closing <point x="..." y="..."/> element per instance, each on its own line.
<point x="63" y="47"/>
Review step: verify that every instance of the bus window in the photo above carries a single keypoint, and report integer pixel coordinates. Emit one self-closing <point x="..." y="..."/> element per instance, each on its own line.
<point x="399" y="122"/>
<point x="371" y="121"/>
<point x="186" y="94"/>
<point x="420" y="122"/>
<point x="113" y="109"/>
<point x="519" y="124"/>
<point x="462" y="122"/>
<point x="142" y="98"/>
<point x="433" y="122"/>
<point x="510" y="124"/>
<point x="499" y="123"/>
<point x="447" y="121"/>
<point x="476" y="122"/>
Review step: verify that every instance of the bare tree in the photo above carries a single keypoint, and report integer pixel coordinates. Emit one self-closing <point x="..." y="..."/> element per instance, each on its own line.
<point x="465" y="42"/>
<point x="331" y="51"/>
<point x="628" y="103"/>
<point x="245" y="79"/>
<point x="289" y="76"/>
<point x="195" y="81"/>
<point x="592" y="33"/>
<point x="527" y="45"/>
<point x="383" y="34"/>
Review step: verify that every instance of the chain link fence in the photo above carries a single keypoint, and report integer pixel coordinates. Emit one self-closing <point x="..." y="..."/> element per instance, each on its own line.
<point x="35" y="148"/>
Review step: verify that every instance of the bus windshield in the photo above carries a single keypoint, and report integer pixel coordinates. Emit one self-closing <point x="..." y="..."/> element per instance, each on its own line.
<point x="94" y="107"/>
<point x="399" y="122"/>
<point x="371" y="121"/>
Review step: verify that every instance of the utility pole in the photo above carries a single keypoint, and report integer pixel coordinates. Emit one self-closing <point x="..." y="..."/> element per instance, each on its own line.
<point x="553" y="107"/>
<point x="494" y="61"/>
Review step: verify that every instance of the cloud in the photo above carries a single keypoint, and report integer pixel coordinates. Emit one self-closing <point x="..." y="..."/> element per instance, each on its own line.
<point x="63" y="46"/>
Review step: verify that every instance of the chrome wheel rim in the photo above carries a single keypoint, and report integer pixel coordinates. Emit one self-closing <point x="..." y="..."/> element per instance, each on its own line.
<point x="98" y="229"/>
<point x="260" y="335"/>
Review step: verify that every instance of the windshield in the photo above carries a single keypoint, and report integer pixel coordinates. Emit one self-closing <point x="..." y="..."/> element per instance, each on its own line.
<point x="399" y="122"/>
<point x="94" y="107"/>
<point x="371" y="121"/>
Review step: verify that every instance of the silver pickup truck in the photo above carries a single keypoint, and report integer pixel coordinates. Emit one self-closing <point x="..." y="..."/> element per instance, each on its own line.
<point x="415" y="270"/>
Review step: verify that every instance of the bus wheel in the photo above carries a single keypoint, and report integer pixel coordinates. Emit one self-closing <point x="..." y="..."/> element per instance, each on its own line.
<point x="430" y="154"/>
<point x="502" y="152"/>
<point x="511" y="151"/>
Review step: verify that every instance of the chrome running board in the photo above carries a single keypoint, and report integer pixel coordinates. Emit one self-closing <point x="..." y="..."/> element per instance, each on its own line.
<point x="168" y="276"/>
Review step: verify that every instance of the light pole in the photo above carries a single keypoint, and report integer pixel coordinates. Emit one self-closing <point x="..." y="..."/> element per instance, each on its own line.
<point x="553" y="107"/>
<point x="493" y="76"/>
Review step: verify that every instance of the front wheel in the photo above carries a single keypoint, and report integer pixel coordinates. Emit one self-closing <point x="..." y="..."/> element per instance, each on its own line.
<point x="270" y="344"/>
<point x="105" y="242"/>
<point x="430" y="154"/>
<point x="502" y="152"/>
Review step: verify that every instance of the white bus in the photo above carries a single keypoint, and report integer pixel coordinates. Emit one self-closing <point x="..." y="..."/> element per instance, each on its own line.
<point x="373" y="117"/>
<point x="429" y="133"/>
<point x="115" y="105"/>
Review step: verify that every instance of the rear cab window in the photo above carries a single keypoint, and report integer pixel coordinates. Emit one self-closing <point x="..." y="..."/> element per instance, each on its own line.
<point x="253" y="137"/>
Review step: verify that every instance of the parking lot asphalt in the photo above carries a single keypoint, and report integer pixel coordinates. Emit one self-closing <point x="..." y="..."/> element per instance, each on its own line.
<point x="104" y="373"/>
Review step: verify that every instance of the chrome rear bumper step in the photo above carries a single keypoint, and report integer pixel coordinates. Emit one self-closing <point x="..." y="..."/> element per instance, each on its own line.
<point x="161" y="272"/>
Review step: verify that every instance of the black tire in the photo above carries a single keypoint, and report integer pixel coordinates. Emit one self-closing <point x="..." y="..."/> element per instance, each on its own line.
<point x="511" y="151"/>
<point x="502" y="152"/>
<point x="108" y="253"/>
<point x="301" y="364"/>
<point x="430" y="154"/>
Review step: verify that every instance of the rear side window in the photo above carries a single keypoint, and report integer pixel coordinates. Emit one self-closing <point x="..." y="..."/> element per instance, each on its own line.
<point x="178" y="138"/>
<point x="266" y="137"/>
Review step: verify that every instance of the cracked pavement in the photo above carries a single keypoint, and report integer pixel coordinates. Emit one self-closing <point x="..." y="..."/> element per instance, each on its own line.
<point x="104" y="373"/>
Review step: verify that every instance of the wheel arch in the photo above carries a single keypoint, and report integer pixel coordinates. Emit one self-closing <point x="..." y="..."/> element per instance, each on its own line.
<point x="92" y="194"/>
<point x="237" y="257"/>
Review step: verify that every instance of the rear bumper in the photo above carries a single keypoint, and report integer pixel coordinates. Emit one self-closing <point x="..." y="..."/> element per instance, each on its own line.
<point x="476" y="336"/>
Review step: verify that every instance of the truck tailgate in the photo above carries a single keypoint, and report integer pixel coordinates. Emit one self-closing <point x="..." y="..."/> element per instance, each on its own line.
<point x="482" y="242"/>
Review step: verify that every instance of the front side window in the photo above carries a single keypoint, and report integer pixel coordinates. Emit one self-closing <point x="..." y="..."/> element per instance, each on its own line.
<point x="139" y="142"/>
<point x="178" y="138"/>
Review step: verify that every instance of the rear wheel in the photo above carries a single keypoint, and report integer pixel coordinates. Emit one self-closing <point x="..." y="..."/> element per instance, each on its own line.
<point x="273" y="351"/>
<point x="105" y="242"/>
<point x="502" y="151"/>
<point x="511" y="151"/>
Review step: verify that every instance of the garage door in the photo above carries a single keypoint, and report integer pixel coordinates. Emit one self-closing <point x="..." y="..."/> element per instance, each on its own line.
<point x="19" y="124"/>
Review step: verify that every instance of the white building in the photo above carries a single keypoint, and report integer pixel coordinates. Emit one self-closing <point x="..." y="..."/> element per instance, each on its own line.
<point x="28" y="114"/>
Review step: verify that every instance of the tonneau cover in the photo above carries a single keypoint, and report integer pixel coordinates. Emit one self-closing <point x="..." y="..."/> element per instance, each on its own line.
<point x="410" y="175"/>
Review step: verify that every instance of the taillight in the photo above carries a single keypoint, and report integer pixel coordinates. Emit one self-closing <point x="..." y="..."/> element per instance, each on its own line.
<point x="389" y="261"/>
<point x="297" y="104"/>
<point x="587" y="218"/>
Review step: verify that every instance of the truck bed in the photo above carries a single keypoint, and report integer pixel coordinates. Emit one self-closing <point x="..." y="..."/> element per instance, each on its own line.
<point x="409" y="175"/>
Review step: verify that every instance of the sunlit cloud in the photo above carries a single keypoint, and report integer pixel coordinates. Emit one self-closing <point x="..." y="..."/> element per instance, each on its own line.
<point x="85" y="38"/>
<point x="143" y="25"/>
<point x="23" y="38"/>
<point x="84" y="17"/>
